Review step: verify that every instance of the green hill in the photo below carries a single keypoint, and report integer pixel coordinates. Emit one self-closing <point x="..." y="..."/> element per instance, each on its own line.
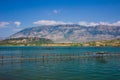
<point x="112" y="42"/>
<point x="26" y="41"/>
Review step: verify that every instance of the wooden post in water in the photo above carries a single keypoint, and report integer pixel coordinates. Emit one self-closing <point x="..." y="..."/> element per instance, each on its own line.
<point x="73" y="56"/>
<point x="43" y="57"/>
<point x="78" y="55"/>
<point x="29" y="58"/>
<point x="35" y="57"/>
<point x="21" y="57"/>
<point x="11" y="58"/>
<point x="2" y="59"/>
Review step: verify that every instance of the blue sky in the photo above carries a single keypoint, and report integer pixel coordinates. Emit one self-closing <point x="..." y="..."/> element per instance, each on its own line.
<point x="19" y="14"/>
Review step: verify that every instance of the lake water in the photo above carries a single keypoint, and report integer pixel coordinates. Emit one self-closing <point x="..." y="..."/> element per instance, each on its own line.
<point x="89" y="68"/>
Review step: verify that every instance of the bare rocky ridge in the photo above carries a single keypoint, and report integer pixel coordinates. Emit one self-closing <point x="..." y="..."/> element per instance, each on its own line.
<point x="71" y="33"/>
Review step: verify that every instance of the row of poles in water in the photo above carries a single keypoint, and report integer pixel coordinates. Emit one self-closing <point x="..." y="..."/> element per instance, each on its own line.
<point x="55" y="56"/>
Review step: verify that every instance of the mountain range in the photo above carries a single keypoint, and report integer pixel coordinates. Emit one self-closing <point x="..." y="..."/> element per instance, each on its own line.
<point x="70" y="33"/>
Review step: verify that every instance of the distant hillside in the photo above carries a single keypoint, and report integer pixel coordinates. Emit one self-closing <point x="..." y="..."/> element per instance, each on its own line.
<point x="113" y="42"/>
<point x="71" y="33"/>
<point x="25" y="41"/>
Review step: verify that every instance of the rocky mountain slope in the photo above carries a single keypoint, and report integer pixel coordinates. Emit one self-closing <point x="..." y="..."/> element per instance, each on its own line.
<point x="71" y="33"/>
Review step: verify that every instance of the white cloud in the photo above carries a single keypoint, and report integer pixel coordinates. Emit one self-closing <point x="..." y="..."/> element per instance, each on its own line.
<point x="55" y="11"/>
<point x="116" y="23"/>
<point x="104" y="23"/>
<point x="93" y="24"/>
<point x="4" y="24"/>
<point x="17" y="23"/>
<point x="110" y="24"/>
<point x="50" y="22"/>
<point x="84" y="23"/>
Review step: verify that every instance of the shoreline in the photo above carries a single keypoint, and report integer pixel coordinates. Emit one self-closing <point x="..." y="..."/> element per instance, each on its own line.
<point x="61" y="45"/>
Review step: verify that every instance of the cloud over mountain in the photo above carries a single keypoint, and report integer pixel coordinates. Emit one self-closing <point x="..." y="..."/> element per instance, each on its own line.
<point x="50" y="22"/>
<point x="84" y="23"/>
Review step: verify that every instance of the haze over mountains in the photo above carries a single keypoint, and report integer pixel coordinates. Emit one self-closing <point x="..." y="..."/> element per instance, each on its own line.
<point x="66" y="33"/>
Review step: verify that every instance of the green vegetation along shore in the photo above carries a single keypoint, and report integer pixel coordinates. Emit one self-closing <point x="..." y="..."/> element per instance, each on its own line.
<point x="113" y="42"/>
<point x="34" y="41"/>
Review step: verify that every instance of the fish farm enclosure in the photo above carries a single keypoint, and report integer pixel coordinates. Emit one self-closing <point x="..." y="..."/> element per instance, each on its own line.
<point x="21" y="54"/>
<point x="59" y="63"/>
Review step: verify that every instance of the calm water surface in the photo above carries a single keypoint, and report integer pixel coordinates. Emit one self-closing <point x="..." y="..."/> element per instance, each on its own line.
<point x="75" y="69"/>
